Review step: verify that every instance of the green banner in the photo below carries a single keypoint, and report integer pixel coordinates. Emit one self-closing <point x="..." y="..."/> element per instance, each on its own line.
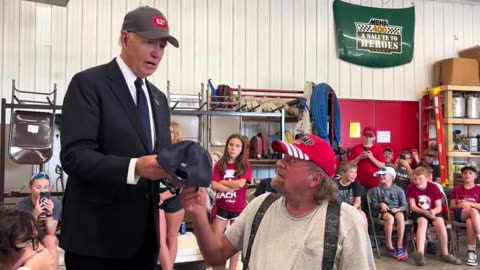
<point x="374" y="37"/>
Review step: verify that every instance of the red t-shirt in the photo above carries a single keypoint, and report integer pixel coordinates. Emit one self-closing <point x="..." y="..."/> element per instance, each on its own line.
<point x="366" y="168"/>
<point x="233" y="201"/>
<point x="461" y="194"/>
<point x="424" y="199"/>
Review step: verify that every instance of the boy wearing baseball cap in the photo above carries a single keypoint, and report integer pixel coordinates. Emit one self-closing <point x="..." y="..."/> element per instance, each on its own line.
<point x="465" y="199"/>
<point x="390" y="204"/>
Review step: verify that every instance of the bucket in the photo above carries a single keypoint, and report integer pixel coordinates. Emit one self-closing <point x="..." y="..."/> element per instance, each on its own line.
<point x="458" y="107"/>
<point x="473" y="107"/>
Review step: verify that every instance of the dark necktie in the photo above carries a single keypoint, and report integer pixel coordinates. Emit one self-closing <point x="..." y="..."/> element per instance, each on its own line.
<point x="143" y="112"/>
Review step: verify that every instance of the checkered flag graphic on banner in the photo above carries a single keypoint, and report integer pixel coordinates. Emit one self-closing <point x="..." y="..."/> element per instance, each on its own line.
<point x="394" y="31"/>
<point x="364" y="28"/>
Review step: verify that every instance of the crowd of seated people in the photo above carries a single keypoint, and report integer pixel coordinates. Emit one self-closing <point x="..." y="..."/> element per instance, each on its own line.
<point x="405" y="183"/>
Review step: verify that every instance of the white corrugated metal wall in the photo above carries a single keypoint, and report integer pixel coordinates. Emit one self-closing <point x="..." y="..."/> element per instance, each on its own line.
<point x="254" y="43"/>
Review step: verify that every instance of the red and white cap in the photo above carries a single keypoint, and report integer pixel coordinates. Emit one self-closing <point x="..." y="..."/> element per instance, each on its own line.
<point x="309" y="147"/>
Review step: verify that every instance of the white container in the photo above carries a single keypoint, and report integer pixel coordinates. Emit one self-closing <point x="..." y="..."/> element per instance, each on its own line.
<point x="473" y="107"/>
<point x="458" y="107"/>
<point x="473" y="144"/>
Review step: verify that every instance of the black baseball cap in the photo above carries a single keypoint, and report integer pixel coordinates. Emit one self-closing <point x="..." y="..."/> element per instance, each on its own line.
<point x="387" y="149"/>
<point x="149" y="23"/>
<point x="469" y="167"/>
<point x="187" y="163"/>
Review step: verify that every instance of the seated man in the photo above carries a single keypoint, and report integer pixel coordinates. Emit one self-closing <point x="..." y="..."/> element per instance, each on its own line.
<point x="293" y="229"/>
<point x="388" y="154"/>
<point x="19" y="243"/>
<point x="428" y="160"/>
<point x="47" y="212"/>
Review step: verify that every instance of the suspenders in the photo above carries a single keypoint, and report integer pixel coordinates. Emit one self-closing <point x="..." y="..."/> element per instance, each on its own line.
<point x="332" y="222"/>
<point x="256" y="223"/>
<point x="330" y="237"/>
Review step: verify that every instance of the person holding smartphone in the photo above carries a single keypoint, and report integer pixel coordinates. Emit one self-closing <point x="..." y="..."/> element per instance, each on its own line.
<point x="368" y="157"/>
<point x="403" y="169"/>
<point x="45" y="209"/>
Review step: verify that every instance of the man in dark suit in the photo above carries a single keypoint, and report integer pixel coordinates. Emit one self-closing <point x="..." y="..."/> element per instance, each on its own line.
<point x="113" y="121"/>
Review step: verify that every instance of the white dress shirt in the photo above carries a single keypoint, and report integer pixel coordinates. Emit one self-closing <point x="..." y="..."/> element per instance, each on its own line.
<point x="130" y="79"/>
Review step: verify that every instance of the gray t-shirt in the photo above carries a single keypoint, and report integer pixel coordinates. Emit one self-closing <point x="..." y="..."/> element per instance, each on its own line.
<point x="286" y="242"/>
<point x="393" y="197"/>
<point x="26" y="205"/>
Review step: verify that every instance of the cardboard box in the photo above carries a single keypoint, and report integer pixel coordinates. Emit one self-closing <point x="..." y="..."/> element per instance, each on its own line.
<point x="456" y="71"/>
<point x="473" y="53"/>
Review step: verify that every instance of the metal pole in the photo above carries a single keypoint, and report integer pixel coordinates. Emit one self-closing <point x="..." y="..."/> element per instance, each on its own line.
<point x="2" y="149"/>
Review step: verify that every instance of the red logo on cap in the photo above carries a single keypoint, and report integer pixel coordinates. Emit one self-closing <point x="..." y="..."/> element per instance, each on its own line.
<point x="159" y="21"/>
<point x="307" y="141"/>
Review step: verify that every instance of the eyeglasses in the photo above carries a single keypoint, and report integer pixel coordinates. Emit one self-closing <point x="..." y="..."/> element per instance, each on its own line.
<point x="40" y="175"/>
<point x="35" y="242"/>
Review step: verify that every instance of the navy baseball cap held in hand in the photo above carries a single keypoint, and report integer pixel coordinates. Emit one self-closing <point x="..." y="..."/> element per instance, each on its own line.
<point x="187" y="163"/>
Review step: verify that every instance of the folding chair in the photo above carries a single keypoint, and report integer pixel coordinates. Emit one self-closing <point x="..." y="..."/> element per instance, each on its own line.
<point x="458" y="229"/>
<point x="31" y="137"/>
<point x="380" y="222"/>
<point x="31" y="132"/>
<point x="448" y="222"/>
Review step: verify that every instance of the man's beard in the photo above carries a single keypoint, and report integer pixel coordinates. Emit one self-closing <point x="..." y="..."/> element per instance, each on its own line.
<point x="277" y="183"/>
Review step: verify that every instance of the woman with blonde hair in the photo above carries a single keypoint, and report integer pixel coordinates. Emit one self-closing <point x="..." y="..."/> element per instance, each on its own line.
<point x="171" y="214"/>
<point x="45" y="209"/>
<point x="176" y="132"/>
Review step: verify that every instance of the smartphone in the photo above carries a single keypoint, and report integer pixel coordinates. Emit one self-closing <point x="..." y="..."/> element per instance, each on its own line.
<point x="44" y="196"/>
<point x="403" y="157"/>
<point x="366" y="149"/>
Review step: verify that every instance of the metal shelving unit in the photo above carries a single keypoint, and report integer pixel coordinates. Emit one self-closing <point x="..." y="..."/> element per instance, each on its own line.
<point x="244" y="116"/>
<point x="445" y="95"/>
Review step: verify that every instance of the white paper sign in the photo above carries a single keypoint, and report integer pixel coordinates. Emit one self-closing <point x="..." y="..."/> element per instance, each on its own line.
<point x="32" y="129"/>
<point x="383" y="137"/>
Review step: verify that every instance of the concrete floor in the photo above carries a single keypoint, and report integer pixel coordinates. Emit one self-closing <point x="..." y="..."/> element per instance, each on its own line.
<point x="388" y="263"/>
<point x="383" y="263"/>
<point x="431" y="262"/>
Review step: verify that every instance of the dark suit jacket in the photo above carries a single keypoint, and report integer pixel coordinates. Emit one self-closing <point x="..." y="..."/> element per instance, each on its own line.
<point x="103" y="216"/>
